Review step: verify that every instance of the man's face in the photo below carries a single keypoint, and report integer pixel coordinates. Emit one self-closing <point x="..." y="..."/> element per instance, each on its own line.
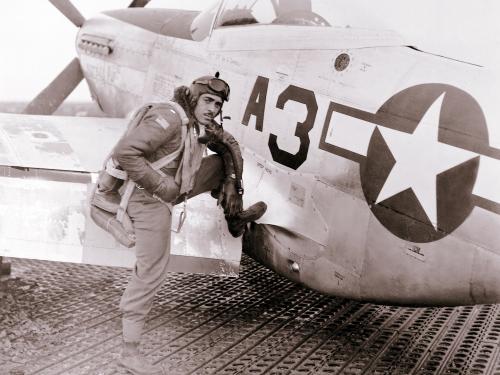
<point x="207" y="108"/>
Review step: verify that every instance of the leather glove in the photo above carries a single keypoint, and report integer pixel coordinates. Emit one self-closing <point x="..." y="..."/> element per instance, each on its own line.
<point x="231" y="200"/>
<point x="213" y="134"/>
<point x="168" y="190"/>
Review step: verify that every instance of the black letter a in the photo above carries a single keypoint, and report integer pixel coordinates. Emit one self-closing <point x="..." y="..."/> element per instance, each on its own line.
<point x="257" y="103"/>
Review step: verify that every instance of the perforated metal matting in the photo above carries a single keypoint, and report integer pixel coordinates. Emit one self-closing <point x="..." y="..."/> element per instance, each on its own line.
<point x="58" y="318"/>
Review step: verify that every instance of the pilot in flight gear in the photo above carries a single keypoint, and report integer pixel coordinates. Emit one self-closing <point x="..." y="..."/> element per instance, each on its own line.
<point x="161" y="133"/>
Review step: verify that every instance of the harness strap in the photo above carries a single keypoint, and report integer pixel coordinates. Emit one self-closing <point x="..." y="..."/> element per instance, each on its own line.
<point x="180" y="111"/>
<point x="157" y="165"/>
<point x="182" y="216"/>
<point x="115" y="172"/>
<point x="129" y="188"/>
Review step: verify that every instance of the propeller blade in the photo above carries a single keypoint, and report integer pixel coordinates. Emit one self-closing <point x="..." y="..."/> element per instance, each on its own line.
<point x="138" y="3"/>
<point x="69" y="10"/>
<point x="291" y="5"/>
<point x="54" y="94"/>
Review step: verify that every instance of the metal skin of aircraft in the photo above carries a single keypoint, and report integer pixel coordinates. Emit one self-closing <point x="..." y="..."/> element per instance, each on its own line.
<point x="378" y="162"/>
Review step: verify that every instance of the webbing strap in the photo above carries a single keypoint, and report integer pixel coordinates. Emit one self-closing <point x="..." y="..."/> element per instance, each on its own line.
<point x="160" y="163"/>
<point x="157" y="165"/>
<point x="180" y="111"/>
<point x="182" y="216"/>
<point x="129" y="188"/>
<point x="115" y="172"/>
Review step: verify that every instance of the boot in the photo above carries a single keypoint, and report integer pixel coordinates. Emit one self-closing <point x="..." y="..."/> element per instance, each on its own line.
<point x="135" y="362"/>
<point x="237" y="224"/>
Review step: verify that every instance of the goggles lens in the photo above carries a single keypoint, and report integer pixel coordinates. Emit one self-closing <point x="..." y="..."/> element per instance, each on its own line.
<point x="218" y="85"/>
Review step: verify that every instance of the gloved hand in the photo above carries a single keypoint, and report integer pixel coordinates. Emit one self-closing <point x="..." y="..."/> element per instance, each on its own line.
<point x="213" y="134"/>
<point x="231" y="200"/>
<point x="168" y="190"/>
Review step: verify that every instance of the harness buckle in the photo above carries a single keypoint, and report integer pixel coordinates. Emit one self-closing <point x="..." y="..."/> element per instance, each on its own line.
<point x="182" y="217"/>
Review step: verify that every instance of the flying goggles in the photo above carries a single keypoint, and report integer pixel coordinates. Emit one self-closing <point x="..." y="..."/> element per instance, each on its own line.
<point x="217" y="85"/>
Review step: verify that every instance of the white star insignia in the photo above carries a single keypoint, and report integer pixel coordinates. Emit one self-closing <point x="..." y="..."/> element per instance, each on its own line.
<point x="419" y="159"/>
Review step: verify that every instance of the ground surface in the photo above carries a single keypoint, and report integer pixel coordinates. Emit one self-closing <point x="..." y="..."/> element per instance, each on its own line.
<point x="60" y="318"/>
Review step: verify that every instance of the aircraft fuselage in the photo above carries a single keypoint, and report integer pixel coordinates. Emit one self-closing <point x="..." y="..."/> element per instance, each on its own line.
<point x="383" y="160"/>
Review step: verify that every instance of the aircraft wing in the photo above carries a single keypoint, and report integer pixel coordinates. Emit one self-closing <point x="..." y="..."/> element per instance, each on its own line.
<point x="48" y="167"/>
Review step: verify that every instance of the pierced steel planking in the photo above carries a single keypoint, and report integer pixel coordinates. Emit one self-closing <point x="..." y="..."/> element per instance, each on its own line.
<point x="64" y="319"/>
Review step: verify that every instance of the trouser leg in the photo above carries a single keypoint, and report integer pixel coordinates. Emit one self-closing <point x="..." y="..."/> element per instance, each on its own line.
<point x="209" y="176"/>
<point x="152" y="221"/>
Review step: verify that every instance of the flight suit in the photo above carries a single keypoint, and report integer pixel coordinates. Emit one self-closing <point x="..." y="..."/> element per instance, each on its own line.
<point x="149" y="207"/>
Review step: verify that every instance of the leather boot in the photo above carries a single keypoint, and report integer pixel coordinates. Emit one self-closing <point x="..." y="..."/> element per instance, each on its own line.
<point x="135" y="362"/>
<point x="237" y="224"/>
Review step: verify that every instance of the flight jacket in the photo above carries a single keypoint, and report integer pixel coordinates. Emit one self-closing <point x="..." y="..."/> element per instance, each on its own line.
<point x="157" y="135"/>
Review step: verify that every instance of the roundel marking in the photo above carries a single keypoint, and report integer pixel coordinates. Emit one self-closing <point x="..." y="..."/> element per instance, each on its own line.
<point x="421" y="165"/>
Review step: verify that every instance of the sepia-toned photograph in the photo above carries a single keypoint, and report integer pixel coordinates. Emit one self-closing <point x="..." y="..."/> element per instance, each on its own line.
<point x="285" y="187"/>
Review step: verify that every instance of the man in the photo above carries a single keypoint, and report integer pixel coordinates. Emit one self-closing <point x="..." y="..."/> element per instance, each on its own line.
<point x="161" y="133"/>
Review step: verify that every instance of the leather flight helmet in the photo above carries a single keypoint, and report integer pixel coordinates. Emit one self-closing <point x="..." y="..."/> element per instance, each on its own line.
<point x="209" y="85"/>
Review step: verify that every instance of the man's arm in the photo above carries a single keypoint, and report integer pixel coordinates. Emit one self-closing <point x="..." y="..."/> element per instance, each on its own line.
<point x="132" y="150"/>
<point x="224" y="144"/>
